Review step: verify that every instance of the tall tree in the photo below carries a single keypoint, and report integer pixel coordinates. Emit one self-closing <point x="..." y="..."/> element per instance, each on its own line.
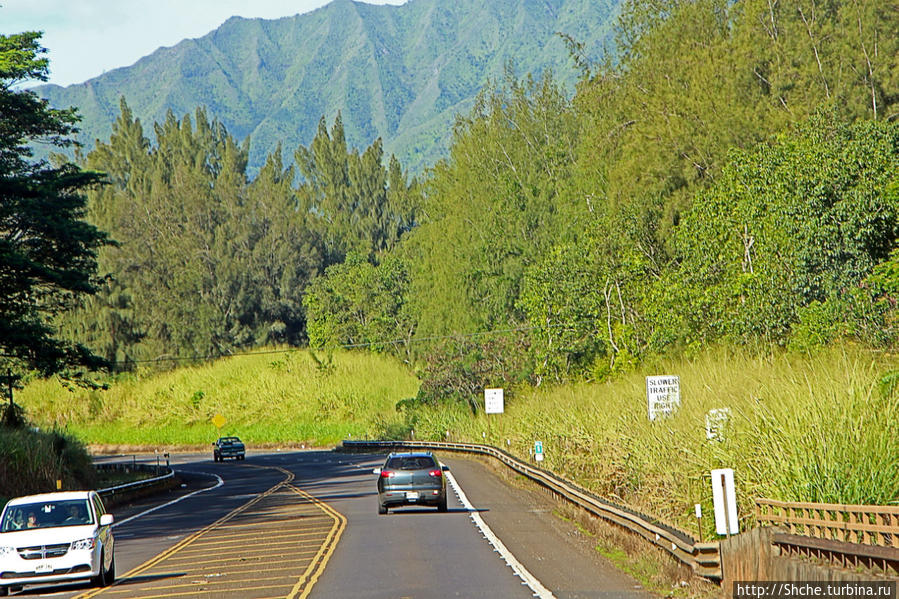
<point x="493" y="208"/>
<point x="360" y="205"/>
<point x="48" y="253"/>
<point x="358" y="304"/>
<point x="208" y="261"/>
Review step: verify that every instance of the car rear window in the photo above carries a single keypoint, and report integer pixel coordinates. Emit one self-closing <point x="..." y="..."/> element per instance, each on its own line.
<point x="411" y="463"/>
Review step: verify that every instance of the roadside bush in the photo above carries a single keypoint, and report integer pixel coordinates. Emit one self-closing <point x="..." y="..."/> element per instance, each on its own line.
<point x="32" y="461"/>
<point x="461" y="368"/>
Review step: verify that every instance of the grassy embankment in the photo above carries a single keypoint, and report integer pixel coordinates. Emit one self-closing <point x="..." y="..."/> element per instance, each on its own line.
<point x="269" y="398"/>
<point x="33" y="462"/>
<point x="817" y="428"/>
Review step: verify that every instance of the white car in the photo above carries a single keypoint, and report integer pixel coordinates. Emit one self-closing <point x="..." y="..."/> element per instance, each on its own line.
<point x="55" y="537"/>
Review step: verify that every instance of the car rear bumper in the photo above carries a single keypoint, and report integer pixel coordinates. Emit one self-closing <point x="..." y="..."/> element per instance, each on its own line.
<point x="231" y="454"/>
<point x="411" y="497"/>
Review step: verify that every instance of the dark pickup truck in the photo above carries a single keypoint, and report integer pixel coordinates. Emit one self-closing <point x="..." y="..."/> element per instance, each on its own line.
<point x="228" y="447"/>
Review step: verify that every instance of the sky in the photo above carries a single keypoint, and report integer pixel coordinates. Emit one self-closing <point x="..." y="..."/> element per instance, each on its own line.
<point x="86" y="38"/>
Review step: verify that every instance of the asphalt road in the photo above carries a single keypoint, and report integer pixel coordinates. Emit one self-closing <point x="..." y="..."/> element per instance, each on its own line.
<point x="305" y="524"/>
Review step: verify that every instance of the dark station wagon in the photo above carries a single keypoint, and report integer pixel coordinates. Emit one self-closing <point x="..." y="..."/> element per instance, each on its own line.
<point x="414" y="478"/>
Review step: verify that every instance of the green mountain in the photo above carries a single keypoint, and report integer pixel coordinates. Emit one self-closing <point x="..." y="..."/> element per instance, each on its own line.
<point x="398" y="72"/>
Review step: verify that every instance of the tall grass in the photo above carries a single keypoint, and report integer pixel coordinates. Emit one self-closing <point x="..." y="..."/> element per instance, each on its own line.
<point x="33" y="461"/>
<point x="268" y="398"/>
<point x="817" y="428"/>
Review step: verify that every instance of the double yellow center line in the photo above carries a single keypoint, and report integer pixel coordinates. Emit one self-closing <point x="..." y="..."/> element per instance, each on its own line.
<point x="275" y="545"/>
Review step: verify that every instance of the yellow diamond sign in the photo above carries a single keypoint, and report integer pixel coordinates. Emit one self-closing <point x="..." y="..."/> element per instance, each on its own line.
<point x="218" y="420"/>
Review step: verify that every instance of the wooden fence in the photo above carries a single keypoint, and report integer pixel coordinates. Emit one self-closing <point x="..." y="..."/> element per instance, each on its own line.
<point x="864" y="524"/>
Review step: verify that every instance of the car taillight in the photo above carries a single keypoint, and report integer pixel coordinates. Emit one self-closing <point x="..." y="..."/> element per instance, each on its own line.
<point x="387" y="474"/>
<point x="436" y="473"/>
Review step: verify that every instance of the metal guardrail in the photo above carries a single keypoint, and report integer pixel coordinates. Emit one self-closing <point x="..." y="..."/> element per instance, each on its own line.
<point x="118" y="490"/>
<point x="703" y="558"/>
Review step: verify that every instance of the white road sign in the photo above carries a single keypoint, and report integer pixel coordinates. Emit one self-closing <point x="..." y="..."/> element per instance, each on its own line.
<point x="493" y="401"/>
<point x="716" y="423"/>
<point x="662" y="395"/>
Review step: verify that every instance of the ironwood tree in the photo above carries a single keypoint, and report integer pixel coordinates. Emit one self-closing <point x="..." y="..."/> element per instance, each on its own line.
<point x="47" y="249"/>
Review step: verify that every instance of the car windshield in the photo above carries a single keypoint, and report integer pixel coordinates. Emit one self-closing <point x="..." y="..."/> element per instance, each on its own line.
<point x="411" y="463"/>
<point x="229" y="441"/>
<point x="49" y="514"/>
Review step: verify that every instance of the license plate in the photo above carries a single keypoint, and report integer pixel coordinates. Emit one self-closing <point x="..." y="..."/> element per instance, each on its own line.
<point x="41" y="568"/>
<point x="412" y="495"/>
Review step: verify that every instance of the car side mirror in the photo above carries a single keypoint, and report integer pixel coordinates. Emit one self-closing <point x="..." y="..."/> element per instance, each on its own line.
<point x="106" y="519"/>
<point x="444" y="467"/>
<point x="376" y="471"/>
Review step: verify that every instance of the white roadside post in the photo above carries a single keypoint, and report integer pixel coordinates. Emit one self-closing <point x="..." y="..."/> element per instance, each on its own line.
<point x="698" y="509"/>
<point x="724" y="496"/>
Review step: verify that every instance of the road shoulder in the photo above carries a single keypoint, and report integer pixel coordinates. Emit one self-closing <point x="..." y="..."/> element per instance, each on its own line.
<point x="556" y="551"/>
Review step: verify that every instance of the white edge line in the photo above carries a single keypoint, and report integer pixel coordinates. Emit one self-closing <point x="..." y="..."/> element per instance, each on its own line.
<point x="528" y="578"/>
<point x="174" y="501"/>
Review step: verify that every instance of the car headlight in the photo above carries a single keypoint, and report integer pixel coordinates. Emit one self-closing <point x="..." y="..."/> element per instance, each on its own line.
<point x="84" y="544"/>
<point x="4" y="551"/>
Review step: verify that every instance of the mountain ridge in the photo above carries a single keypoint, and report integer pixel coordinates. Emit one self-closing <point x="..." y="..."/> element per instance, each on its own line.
<point x="401" y="73"/>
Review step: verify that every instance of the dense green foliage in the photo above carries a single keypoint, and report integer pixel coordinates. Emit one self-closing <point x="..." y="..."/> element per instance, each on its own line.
<point x="492" y="208"/>
<point x="399" y="73"/>
<point x="787" y="227"/>
<point x="47" y="249"/>
<point x="209" y="262"/>
<point x="730" y="176"/>
<point x="722" y="128"/>
<point x="31" y="462"/>
<point x="360" y="305"/>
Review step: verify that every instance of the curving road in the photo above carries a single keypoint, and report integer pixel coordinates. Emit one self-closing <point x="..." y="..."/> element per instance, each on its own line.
<point x="305" y="524"/>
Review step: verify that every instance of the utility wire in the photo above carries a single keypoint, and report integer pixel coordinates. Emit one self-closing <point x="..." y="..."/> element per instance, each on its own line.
<point x="350" y="345"/>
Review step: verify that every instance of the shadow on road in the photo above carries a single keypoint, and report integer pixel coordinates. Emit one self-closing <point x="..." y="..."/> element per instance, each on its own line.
<point x="417" y="510"/>
<point x="43" y="591"/>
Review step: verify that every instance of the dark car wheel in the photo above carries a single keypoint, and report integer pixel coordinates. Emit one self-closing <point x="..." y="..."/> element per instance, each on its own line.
<point x="4" y="591"/>
<point x="110" y="576"/>
<point x="100" y="580"/>
<point x="382" y="509"/>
